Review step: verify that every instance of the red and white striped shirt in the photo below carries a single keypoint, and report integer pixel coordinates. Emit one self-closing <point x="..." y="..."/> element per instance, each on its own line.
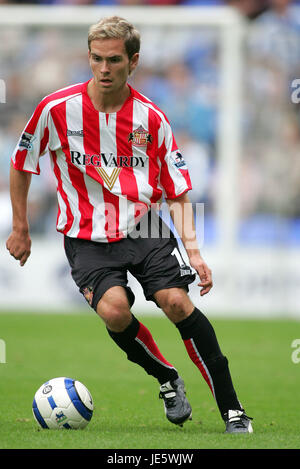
<point x="109" y="168"/>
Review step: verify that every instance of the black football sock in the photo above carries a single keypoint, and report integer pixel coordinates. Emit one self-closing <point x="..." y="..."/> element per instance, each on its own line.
<point x="137" y="342"/>
<point x="202" y="346"/>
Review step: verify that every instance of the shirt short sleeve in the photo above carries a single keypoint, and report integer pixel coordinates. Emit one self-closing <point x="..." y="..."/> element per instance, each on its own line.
<point x="33" y="142"/>
<point x="174" y="175"/>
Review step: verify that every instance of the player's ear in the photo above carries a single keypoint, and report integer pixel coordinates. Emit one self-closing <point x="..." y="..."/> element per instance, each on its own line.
<point x="133" y="62"/>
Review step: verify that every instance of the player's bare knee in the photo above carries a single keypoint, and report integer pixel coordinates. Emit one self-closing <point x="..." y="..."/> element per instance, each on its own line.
<point x="115" y="313"/>
<point x="116" y="320"/>
<point x="176" y="304"/>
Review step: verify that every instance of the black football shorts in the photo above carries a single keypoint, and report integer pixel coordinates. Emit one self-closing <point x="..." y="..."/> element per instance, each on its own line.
<point x="155" y="262"/>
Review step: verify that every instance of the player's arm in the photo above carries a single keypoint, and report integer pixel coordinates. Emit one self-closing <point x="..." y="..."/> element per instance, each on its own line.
<point x="19" y="242"/>
<point x="181" y="211"/>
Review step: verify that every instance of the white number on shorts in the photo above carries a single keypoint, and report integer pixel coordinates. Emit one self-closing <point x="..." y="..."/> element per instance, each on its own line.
<point x="177" y="254"/>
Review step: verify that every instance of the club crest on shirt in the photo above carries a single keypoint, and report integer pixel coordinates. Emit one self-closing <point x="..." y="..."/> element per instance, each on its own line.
<point x="140" y="137"/>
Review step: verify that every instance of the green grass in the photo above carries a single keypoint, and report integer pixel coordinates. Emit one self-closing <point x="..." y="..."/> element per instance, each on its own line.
<point x="128" y="413"/>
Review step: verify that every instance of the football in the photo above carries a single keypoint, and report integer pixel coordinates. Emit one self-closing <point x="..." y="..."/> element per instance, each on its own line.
<point x="62" y="403"/>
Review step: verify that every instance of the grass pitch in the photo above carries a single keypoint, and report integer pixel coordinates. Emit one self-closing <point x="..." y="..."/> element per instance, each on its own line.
<point x="128" y="413"/>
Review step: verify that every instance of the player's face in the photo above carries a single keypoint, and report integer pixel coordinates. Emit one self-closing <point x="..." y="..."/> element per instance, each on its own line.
<point x="110" y="64"/>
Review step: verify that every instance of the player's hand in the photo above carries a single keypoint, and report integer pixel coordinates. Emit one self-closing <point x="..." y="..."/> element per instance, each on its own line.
<point x="19" y="246"/>
<point x="204" y="273"/>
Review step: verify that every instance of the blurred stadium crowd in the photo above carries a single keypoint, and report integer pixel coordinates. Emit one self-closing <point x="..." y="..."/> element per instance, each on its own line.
<point x="179" y="70"/>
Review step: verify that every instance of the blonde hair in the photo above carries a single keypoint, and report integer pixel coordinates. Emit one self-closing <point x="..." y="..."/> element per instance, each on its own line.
<point x="114" y="27"/>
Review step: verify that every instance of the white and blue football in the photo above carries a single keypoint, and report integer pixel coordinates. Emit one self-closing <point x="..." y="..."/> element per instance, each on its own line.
<point x="62" y="403"/>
